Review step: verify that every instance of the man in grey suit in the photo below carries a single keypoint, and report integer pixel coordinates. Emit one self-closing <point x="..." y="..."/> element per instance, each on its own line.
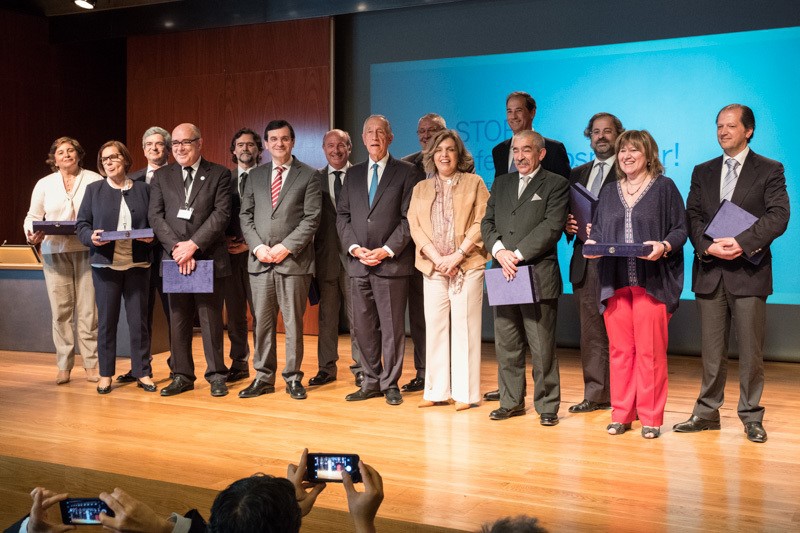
<point x="190" y="207"/>
<point x="524" y="219"/>
<point x="728" y="281"/>
<point x="156" y="144"/>
<point x="246" y="151"/>
<point x="331" y="264"/>
<point x="602" y="132"/>
<point x="280" y="213"/>
<point x="373" y="228"/>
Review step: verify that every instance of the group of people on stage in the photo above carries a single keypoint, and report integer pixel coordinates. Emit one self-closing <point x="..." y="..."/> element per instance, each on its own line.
<point x="387" y="233"/>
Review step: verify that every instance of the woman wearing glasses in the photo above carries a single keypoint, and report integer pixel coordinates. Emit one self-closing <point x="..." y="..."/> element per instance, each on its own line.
<point x="120" y="268"/>
<point x="65" y="261"/>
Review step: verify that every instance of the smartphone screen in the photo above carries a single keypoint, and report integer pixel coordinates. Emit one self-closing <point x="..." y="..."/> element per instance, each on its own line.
<point x="83" y="510"/>
<point x="328" y="467"/>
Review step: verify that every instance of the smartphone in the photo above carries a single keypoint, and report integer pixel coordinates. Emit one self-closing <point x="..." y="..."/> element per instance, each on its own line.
<point x="328" y="467"/>
<point x="83" y="510"/>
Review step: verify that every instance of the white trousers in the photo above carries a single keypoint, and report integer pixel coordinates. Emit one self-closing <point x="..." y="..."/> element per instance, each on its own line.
<point x="453" y="338"/>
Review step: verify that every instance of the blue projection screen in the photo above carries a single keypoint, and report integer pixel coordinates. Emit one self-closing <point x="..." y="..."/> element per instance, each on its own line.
<point x="672" y="87"/>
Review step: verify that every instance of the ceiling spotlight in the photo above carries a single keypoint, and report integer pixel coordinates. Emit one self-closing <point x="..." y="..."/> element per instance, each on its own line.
<point x="86" y="4"/>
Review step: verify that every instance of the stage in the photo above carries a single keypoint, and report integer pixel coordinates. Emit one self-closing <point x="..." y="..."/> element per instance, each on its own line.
<point x="441" y="468"/>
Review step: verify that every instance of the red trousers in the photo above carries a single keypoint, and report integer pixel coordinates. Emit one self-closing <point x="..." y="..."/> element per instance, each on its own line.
<point x="637" y="334"/>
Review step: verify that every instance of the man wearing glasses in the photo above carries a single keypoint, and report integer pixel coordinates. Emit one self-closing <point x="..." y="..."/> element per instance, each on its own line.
<point x="190" y="208"/>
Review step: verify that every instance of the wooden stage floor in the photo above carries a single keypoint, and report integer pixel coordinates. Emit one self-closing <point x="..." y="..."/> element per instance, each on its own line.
<point x="441" y="469"/>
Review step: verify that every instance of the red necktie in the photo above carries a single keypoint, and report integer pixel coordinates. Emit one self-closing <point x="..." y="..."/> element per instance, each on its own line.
<point x="276" y="186"/>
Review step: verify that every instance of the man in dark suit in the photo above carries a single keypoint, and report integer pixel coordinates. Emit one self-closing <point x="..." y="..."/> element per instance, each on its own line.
<point x="190" y="207"/>
<point x="727" y="281"/>
<point x="156" y="143"/>
<point x="520" y="112"/>
<point x="331" y="264"/>
<point x="427" y="127"/>
<point x="372" y="225"/>
<point x="602" y="133"/>
<point x="246" y="151"/>
<point x="524" y="219"/>
<point x="280" y="213"/>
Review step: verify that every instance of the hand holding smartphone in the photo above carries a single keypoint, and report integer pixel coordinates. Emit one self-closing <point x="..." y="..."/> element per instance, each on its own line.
<point x="328" y="467"/>
<point x="83" y="511"/>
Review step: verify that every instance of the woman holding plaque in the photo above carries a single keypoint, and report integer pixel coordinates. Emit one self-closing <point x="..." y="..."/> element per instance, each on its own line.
<point x="120" y="264"/>
<point x="444" y="218"/>
<point x="639" y="293"/>
<point x="65" y="261"/>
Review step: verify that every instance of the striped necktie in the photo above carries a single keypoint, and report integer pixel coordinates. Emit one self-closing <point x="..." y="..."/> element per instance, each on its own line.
<point x="730" y="179"/>
<point x="276" y="186"/>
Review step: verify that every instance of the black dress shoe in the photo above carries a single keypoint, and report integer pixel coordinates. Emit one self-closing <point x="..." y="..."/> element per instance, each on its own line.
<point x="393" y="397"/>
<point x="360" y="395"/>
<point x="415" y="385"/>
<point x="755" y="431"/>
<point x="146" y="387"/>
<point x="548" y="419"/>
<point x="503" y="413"/>
<point x="695" y="424"/>
<point x="296" y="390"/>
<point x="257" y="388"/>
<point x="219" y="388"/>
<point x="179" y="385"/>
<point x="106" y="390"/>
<point x="321" y="378"/>
<point x="126" y="378"/>
<point x="359" y="378"/>
<point x="492" y="396"/>
<point x="587" y="406"/>
<point x="237" y="375"/>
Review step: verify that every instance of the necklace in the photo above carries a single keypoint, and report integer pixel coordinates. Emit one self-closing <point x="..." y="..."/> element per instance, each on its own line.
<point x="628" y="190"/>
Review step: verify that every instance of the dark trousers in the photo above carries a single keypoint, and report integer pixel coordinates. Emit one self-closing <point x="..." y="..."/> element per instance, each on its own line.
<point x="516" y="328"/>
<point x="156" y="292"/>
<point x="594" y="340"/>
<point x="335" y="293"/>
<point x="416" y="318"/>
<point x="749" y="314"/>
<point x="237" y="298"/>
<point x="110" y="287"/>
<point x="208" y="307"/>
<point x="379" y="309"/>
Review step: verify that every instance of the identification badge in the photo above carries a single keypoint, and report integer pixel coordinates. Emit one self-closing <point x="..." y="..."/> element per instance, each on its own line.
<point x="186" y="213"/>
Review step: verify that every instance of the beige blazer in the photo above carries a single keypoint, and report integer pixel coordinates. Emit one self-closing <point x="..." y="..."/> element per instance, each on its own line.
<point x="469" y="206"/>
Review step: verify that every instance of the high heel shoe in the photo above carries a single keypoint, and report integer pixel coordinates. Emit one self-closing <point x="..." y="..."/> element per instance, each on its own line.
<point x="147" y="388"/>
<point x="106" y="389"/>
<point x="62" y="377"/>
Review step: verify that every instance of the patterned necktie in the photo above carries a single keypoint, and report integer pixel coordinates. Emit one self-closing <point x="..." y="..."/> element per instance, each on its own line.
<point x="373" y="185"/>
<point x="337" y="184"/>
<point x="523" y="184"/>
<point x="187" y="181"/>
<point x="598" y="180"/>
<point x="729" y="181"/>
<point x="242" y="181"/>
<point x="276" y="186"/>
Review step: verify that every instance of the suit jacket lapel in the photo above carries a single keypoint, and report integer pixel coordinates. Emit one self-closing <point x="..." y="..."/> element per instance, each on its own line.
<point x="291" y="176"/>
<point x="584" y="177"/>
<point x="386" y="178"/>
<point x="747" y="178"/>
<point x="199" y="180"/>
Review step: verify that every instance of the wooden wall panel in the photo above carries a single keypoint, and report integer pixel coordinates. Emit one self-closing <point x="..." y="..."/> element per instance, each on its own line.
<point x="228" y="78"/>
<point x="47" y="91"/>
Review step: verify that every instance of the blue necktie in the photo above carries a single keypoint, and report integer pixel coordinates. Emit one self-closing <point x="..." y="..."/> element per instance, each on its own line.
<point x="373" y="185"/>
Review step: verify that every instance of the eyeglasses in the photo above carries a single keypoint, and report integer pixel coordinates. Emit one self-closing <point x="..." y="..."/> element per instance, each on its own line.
<point x="423" y="131"/>
<point x="607" y="131"/>
<point x="111" y="158"/>
<point x="186" y="144"/>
